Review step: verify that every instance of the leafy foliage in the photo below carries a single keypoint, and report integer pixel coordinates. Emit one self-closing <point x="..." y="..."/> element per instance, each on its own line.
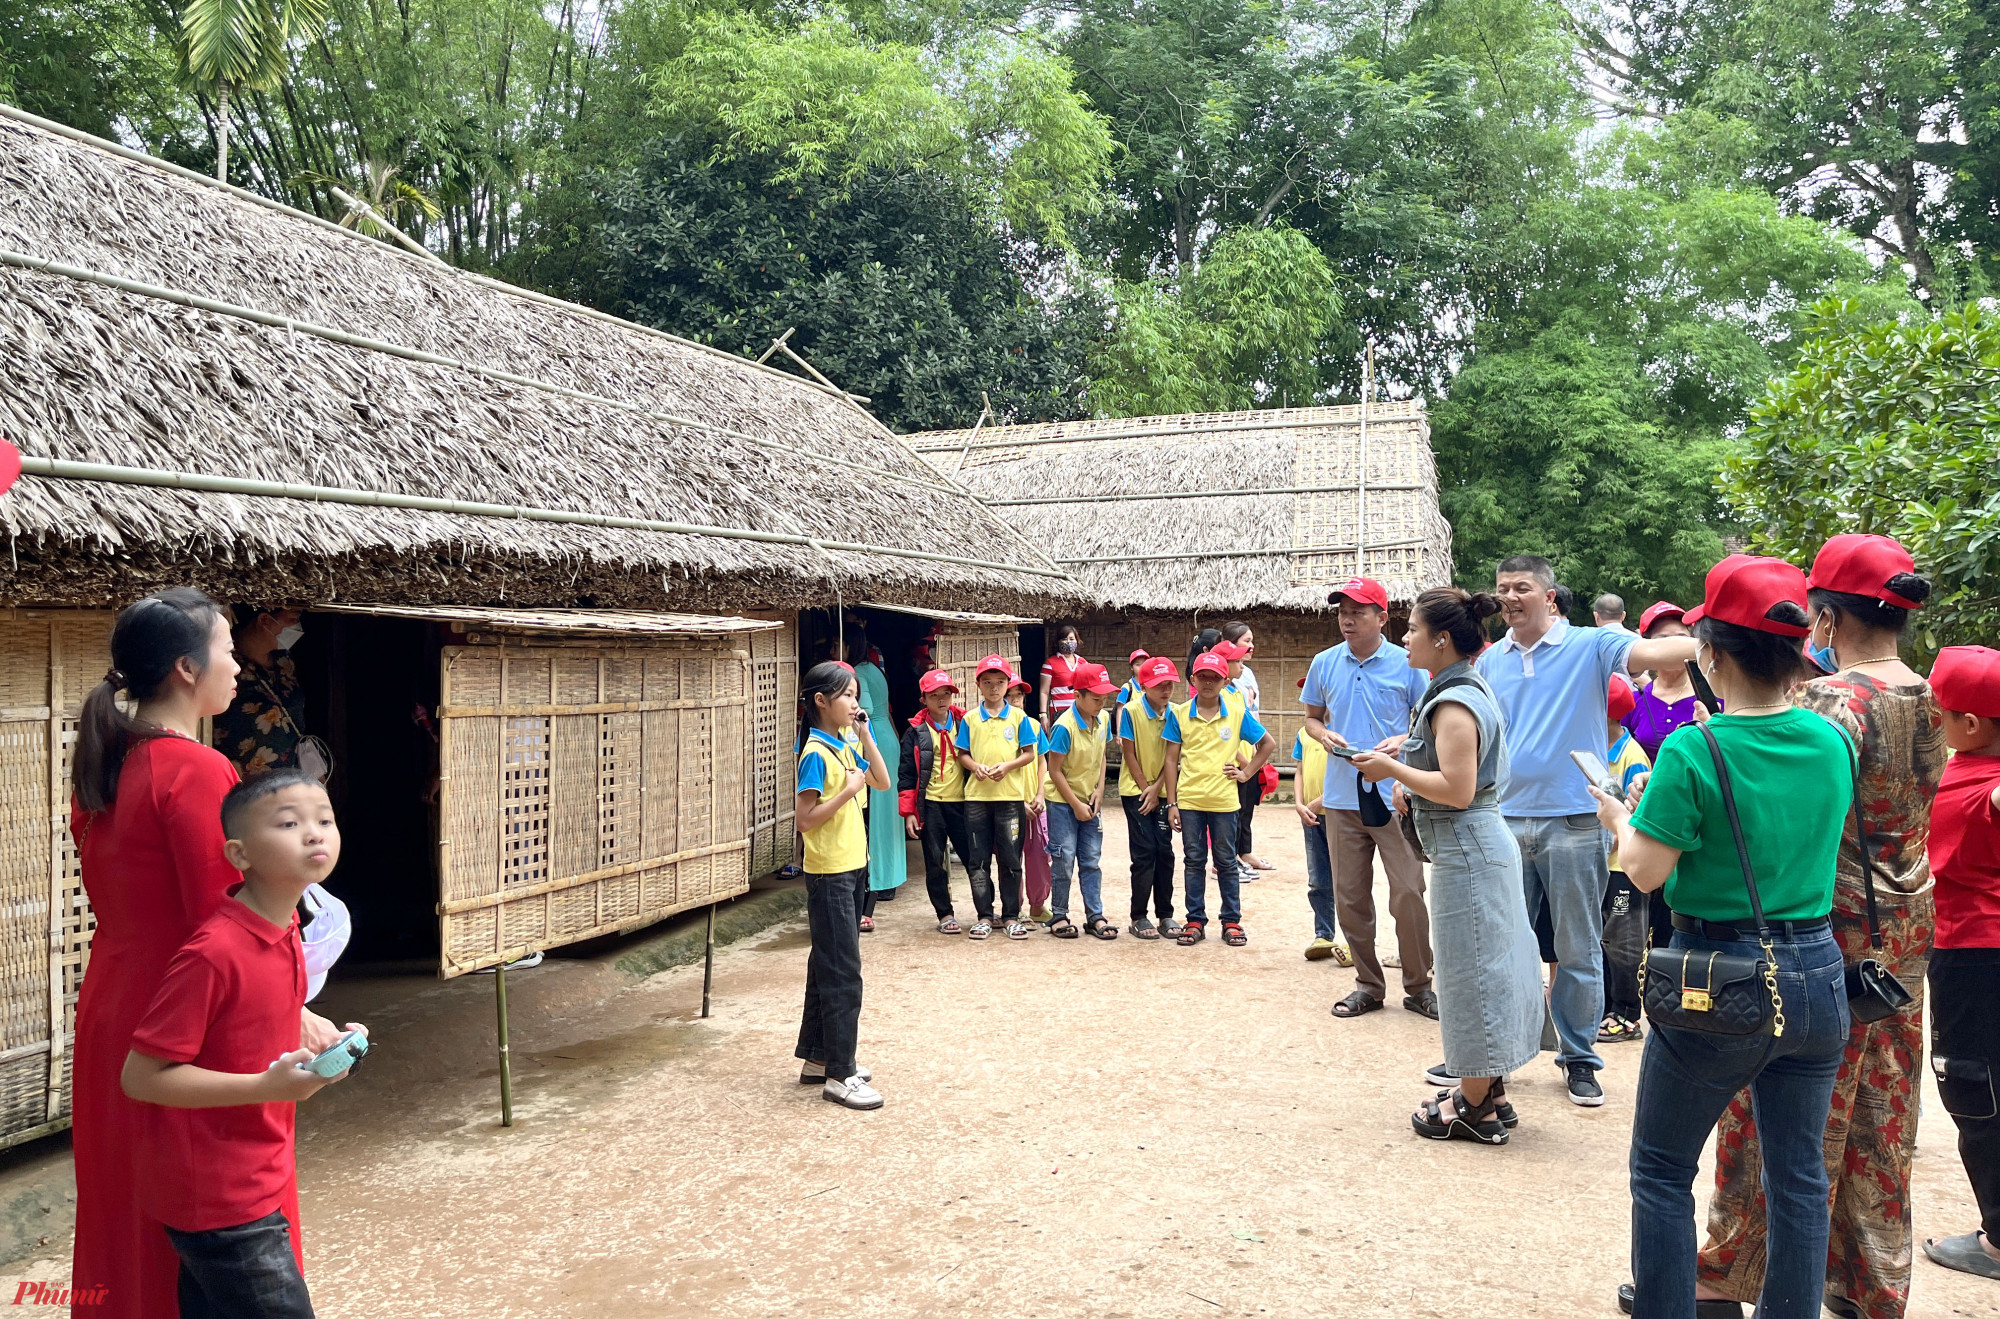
<point x="895" y="288"/>
<point x="1892" y="428"/>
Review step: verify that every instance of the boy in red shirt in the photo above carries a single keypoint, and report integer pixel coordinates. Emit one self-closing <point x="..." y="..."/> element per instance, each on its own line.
<point x="1965" y="962"/>
<point x="216" y="1159"/>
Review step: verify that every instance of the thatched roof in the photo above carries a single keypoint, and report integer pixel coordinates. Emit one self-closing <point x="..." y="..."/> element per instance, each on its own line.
<point x="247" y="340"/>
<point x="1163" y="513"/>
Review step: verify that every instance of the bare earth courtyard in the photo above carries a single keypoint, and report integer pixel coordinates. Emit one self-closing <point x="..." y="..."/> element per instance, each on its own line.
<point x="1073" y="1128"/>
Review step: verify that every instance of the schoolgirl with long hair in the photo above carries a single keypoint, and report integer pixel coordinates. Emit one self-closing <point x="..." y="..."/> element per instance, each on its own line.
<point x="833" y="773"/>
<point x="146" y="817"/>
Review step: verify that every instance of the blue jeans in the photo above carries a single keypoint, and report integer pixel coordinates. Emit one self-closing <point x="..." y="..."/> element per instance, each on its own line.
<point x="1564" y="862"/>
<point x="1687" y="1079"/>
<point x="242" y="1272"/>
<point x="1081" y="844"/>
<point x="1203" y="832"/>
<point x="1319" y="880"/>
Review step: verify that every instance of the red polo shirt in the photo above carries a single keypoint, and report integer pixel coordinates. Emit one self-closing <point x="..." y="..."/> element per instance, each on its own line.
<point x="230" y="1002"/>
<point x="1965" y="853"/>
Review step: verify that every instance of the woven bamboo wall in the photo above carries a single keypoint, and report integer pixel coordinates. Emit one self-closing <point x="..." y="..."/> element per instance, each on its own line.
<point x="48" y="661"/>
<point x="588" y="788"/>
<point x="774" y="697"/>
<point x="958" y="648"/>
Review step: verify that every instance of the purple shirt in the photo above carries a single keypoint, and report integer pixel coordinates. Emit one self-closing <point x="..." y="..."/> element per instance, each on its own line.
<point x="1652" y="719"/>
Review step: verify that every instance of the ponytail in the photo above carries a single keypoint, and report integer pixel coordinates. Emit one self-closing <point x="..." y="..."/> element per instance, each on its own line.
<point x="151" y="636"/>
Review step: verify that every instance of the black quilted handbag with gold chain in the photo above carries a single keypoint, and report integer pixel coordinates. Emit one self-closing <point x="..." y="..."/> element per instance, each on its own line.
<point x="1717" y="993"/>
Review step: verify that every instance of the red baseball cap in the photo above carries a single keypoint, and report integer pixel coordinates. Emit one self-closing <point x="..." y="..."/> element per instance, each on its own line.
<point x="1654" y="613"/>
<point x="1210" y="662"/>
<point x="1157" y="670"/>
<point x="1300" y="684"/>
<point x="1967" y="679"/>
<point x="1362" y="591"/>
<point x="1016" y="680"/>
<point x="1138" y="655"/>
<point x="1094" y="678"/>
<point x="1748" y="590"/>
<point x="1855" y="564"/>
<point x="935" y="680"/>
<point x="1622" y="701"/>
<point x="1229" y="650"/>
<point x="993" y="664"/>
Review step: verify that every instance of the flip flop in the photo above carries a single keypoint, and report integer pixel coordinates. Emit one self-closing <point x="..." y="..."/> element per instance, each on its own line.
<point x="1962" y="1253"/>
<point x="1358" y="1004"/>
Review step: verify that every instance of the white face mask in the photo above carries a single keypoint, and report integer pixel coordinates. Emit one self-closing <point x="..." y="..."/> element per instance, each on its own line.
<point x="289" y="636"/>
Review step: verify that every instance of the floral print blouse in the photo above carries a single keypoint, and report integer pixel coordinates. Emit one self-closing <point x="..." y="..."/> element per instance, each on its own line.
<point x="260" y="730"/>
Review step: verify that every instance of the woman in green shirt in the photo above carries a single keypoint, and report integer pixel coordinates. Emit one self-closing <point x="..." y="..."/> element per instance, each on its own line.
<point x="1790" y="773"/>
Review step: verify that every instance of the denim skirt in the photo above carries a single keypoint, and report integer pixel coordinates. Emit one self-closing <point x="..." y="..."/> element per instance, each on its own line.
<point x="1489" y="982"/>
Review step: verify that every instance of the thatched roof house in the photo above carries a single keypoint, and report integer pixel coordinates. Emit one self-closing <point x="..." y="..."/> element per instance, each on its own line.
<point x="1171" y="524"/>
<point x="1218" y="512"/>
<point x="152" y="319"/>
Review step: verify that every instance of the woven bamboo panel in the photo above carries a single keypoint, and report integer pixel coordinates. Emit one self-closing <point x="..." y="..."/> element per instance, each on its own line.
<point x="773" y="780"/>
<point x="958" y="648"/>
<point x="590" y="788"/>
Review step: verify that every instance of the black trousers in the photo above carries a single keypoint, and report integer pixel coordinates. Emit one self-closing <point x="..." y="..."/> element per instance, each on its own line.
<point x="941" y="829"/>
<point x="831" y="1021"/>
<point x="1965" y="1055"/>
<point x="995" y="828"/>
<point x="1247" y="797"/>
<point x="1151" y="842"/>
<point x="242" y="1272"/>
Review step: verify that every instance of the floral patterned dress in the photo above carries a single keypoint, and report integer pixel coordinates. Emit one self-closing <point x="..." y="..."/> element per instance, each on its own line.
<point x="1871" y="1132"/>
<point x="260" y="729"/>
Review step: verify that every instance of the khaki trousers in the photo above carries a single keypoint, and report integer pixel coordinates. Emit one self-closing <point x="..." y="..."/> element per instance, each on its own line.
<point x="1354" y="846"/>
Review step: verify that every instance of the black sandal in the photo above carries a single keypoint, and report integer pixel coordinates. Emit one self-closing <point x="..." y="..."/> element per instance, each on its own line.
<point x="1232" y="934"/>
<point x="1501" y="1108"/>
<point x="1191" y="934"/>
<point x="1477" y="1122"/>
<point x="1062" y="928"/>
<point x="1357" y="1004"/>
<point x="1101" y="928"/>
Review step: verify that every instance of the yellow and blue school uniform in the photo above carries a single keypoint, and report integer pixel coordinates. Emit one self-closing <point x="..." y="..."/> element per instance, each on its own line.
<point x="1627" y="760"/>
<point x="1209" y="744"/>
<point x="1309" y="786"/>
<point x="1143" y="726"/>
<point x="1031" y="774"/>
<point x="995" y="739"/>
<point x="947" y="782"/>
<point x="839" y="844"/>
<point x="1082" y="747"/>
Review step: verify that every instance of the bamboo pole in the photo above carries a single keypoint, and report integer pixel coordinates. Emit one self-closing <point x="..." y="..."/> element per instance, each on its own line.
<point x="1141" y="433"/>
<point x="708" y="962"/>
<point x="506" y="1064"/>
<point x="1361" y="467"/>
<point x="1112" y="496"/>
<point x="1231" y="554"/>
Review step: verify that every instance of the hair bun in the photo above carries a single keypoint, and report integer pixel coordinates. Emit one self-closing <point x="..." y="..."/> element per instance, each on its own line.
<point x="1911" y="586"/>
<point x="1789" y="612"/>
<point x="1483" y="605"/>
<point x="116" y="679"/>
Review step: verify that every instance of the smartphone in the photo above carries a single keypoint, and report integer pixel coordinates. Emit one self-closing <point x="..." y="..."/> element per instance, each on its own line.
<point x="1702" y="691"/>
<point x="1596" y="771"/>
<point x="1345" y="753"/>
<point x="346" y="1052"/>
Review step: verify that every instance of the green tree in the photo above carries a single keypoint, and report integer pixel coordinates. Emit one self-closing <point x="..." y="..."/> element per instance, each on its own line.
<point x="896" y="283"/>
<point x="1892" y="428"/>
<point x="232" y="44"/>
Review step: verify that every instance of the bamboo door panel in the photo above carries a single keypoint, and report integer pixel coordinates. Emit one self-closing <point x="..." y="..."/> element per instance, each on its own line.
<point x="958" y="648"/>
<point x="586" y="790"/>
<point x="774" y="697"/>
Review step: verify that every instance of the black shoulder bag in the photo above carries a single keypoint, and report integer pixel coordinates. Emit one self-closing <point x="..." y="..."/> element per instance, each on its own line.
<point x="1717" y="993"/>
<point x="1872" y="993"/>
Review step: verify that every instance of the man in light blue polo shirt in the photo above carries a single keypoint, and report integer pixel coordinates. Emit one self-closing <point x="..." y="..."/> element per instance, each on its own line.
<point x="1552" y="681"/>
<point x="1360" y="694"/>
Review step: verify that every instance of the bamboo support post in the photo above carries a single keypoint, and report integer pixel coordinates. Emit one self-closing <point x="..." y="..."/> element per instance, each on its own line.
<point x="506" y="1066"/>
<point x="708" y="962"/>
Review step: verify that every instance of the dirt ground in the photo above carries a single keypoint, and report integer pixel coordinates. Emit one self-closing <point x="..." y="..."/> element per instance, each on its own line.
<point x="1073" y="1128"/>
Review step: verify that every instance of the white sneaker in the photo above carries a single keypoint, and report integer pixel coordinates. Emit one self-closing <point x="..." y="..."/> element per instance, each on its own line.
<point x="851" y="1093"/>
<point x="814" y="1073"/>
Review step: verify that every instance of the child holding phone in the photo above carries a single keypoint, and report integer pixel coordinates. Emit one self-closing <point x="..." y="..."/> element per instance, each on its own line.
<point x="216" y="1162"/>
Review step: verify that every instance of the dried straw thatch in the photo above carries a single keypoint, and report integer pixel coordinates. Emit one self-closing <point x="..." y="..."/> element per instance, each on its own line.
<point x="460" y="387"/>
<point x="1152" y="513"/>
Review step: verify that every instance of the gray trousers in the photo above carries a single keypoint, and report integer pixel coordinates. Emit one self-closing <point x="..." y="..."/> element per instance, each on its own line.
<point x="1354" y="846"/>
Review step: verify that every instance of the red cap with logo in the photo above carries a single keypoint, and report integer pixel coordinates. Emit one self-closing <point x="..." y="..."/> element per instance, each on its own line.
<point x="1094" y="678"/>
<point x="1229" y="650"/>
<point x="1622" y="701"/>
<point x="1967" y="679"/>
<point x="1654" y="613"/>
<point x="1855" y="564"/>
<point x="993" y="664"/>
<point x="1157" y="670"/>
<point x="1752" y="592"/>
<point x="1016" y="680"/>
<point x="1362" y="591"/>
<point x="1138" y="655"/>
<point x="1210" y="662"/>
<point x="936" y="680"/>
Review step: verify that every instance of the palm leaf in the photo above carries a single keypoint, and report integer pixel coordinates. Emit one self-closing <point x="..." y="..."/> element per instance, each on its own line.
<point x="224" y="40"/>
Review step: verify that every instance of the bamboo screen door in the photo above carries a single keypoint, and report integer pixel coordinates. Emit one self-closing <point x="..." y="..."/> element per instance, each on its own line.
<point x="590" y="786"/>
